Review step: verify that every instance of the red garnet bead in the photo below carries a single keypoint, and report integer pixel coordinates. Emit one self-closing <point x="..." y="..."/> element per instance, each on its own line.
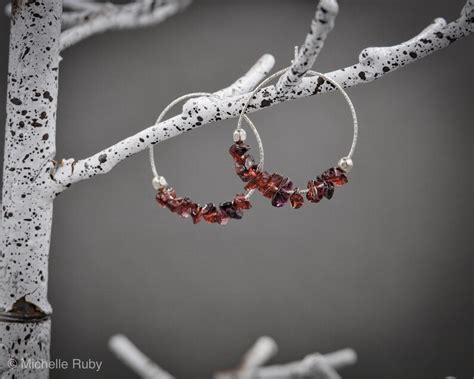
<point x="335" y="176"/>
<point x="328" y="190"/>
<point x="272" y="185"/>
<point x="174" y="204"/>
<point x="210" y="213"/>
<point x="296" y="200"/>
<point x="241" y="202"/>
<point x="262" y="180"/>
<point x="259" y="182"/>
<point x="228" y="208"/>
<point x="250" y="162"/>
<point x="222" y="218"/>
<point x="315" y="191"/>
<point x="164" y="195"/>
<point x="239" y="169"/>
<point x="185" y="208"/>
<point x="196" y="213"/>
<point x="254" y="183"/>
<point x="247" y="175"/>
<point x="247" y="170"/>
<point x="237" y="151"/>
<point x="281" y="196"/>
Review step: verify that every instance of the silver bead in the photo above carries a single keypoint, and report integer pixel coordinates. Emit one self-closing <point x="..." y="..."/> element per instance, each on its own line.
<point x="239" y="135"/>
<point x="346" y="164"/>
<point x="159" y="182"/>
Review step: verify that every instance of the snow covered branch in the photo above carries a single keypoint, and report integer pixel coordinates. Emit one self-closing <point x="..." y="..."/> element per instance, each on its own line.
<point x="313" y="366"/>
<point x="374" y="63"/>
<point x="87" y="18"/>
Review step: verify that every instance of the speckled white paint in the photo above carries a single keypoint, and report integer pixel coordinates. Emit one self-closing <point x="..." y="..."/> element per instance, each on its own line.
<point x="29" y="146"/>
<point x="26" y="208"/>
<point x="374" y="63"/>
<point x="21" y="345"/>
<point x="321" y="26"/>
<point x="31" y="180"/>
<point x="313" y="366"/>
<point x="89" y="18"/>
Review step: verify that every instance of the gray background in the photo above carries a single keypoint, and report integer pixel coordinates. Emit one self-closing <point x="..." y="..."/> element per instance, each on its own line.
<point x="385" y="267"/>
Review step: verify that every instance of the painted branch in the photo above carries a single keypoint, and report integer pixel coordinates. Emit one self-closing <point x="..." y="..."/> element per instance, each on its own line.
<point x="84" y="169"/>
<point x="73" y="18"/>
<point x="24" y="348"/>
<point x="84" y="5"/>
<point x="321" y="26"/>
<point x="74" y="12"/>
<point x="315" y="366"/>
<point x="26" y="210"/>
<point x="374" y="63"/>
<point x="138" y="362"/>
<point x="129" y="16"/>
<point x="261" y="352"/>
<point x="29" y="144"/>
<point x="250" y="80"/>
<point x="77" y="12"/>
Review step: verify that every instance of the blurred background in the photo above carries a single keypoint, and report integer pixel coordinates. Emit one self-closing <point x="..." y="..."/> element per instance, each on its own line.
<point x="385" y="267"/>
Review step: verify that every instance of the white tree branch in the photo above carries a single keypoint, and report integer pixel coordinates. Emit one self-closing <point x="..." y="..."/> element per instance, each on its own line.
<point x="84" y="5"/>
<point x="69" y="171"/>
<point x="437" y="24"/>
<point x="108" y="16"/>
<point x="250" y="80"/>
<point x="314" y="366"/>
<point x="374" y="63"/>
<point x="70" y="19"/>
<point x="261" y="352"/>
<point x="138" y="362"/>
<point x="321" y="26"/>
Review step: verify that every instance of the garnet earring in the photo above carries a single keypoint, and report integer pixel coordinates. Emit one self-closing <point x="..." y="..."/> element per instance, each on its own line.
<point x="278" y="188"/>
<point x="183" y="206"/>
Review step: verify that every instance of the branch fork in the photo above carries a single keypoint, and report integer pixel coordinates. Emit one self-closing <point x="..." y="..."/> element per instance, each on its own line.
<point x="82" y="19"/>
<point x="31" y="179"/>
<point x="374" y="63"/>
<point x="313" y="366"/>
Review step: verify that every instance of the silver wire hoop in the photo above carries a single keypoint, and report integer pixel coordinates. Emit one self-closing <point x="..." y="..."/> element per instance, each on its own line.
<point x="345" y="161"/>
<point x="159" y="180"/>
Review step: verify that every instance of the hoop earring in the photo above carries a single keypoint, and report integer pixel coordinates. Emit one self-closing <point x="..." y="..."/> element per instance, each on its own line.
<point x="185" y="207"/>
<point x="278" y="188"/>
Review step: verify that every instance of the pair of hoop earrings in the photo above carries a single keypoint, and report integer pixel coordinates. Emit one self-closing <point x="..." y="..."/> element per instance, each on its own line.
<point x="273" y="186"/>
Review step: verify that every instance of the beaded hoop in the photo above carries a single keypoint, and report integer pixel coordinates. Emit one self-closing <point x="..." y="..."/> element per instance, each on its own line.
<point x="278" y="188"/>
<point x="185" y="207"/>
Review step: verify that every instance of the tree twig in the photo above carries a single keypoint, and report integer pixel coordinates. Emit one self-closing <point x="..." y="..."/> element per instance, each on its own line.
<point x="374" y="63"/>
<point x="321" y="26"/>
<point x="135" y="359"/>
<point x="109" y="16"/>
<point x="313" y="366"/>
